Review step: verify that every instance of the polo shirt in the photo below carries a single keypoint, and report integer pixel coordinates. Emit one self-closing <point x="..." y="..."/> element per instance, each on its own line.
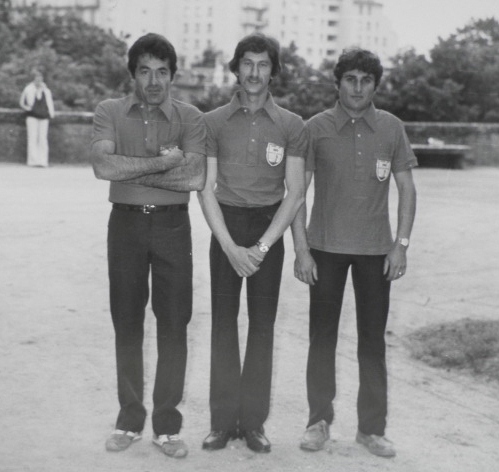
<point x="352" y="160"/>
<point x="138" y="132"/>
<point x="251" y="151"/>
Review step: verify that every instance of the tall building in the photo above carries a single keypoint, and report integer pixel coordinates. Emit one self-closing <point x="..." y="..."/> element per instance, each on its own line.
<point x="363" y="24"/>
<point x="320" y="29"/>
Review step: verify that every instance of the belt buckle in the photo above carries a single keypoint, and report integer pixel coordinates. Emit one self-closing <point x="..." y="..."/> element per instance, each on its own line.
<point x="147" y="209"/>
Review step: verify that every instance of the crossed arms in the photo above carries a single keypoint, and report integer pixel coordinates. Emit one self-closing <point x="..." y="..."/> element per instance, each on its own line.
<point x="176" y="170"/>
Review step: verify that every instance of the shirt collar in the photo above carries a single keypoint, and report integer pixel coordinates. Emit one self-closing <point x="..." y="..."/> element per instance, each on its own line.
<point x="270" y="107"/>
<point x="341" y="117"/>
<point x="134" y="100"/>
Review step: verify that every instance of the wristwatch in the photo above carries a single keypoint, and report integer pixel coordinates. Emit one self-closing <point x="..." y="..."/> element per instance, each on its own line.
<point x="262" y="246"/>
<point x="403" y="242"/>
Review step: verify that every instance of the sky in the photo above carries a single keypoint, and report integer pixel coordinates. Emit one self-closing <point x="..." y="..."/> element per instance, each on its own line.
<point x="419" y="23"/>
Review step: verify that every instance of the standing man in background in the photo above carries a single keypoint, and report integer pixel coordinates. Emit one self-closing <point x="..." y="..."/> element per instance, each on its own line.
<point x="255" y="185"/>
<point x="152" y="149"/>
<point x="354" y="150"/>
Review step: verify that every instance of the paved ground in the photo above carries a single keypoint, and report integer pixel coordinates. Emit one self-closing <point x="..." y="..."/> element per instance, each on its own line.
<point x="57" y="390"/>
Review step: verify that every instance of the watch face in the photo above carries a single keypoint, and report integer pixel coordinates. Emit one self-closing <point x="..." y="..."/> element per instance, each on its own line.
<point x="263" y="247"/>
<point x="404" y="242"/>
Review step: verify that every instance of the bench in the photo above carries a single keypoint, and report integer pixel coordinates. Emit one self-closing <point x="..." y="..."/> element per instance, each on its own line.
<point x="441" y="155"/>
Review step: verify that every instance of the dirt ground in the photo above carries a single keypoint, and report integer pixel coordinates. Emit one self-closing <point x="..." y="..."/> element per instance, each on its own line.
<point x="58" y="389"/>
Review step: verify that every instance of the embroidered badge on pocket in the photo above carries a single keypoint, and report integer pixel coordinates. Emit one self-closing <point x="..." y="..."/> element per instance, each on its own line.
<point x="275" y="154"/>
<point x="383" y="169"/>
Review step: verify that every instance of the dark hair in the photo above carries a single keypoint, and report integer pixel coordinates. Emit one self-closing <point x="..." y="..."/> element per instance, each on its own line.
<point x="257" y="43"/>
<point x="155" y="45"/>
<point x="359" y="59"/>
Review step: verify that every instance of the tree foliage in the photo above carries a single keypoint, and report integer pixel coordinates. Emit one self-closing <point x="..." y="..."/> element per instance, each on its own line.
<point x="82" y="64"/>
<point x="301" y="88"/>
<point x="459" y="82"/>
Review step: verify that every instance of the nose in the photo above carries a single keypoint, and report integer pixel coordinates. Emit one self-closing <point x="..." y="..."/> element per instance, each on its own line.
<point x="358" y="86"/>
<point x="153" y="79"/>
<point x="254" y="70"/>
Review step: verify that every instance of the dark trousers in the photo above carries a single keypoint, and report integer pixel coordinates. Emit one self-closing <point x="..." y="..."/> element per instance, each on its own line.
<point x="158" y="244"/>
<point x="372" y="294"/>
<point x="241" y="397"/>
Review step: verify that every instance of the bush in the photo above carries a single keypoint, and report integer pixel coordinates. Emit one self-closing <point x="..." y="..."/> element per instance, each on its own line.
<point x="468" y="345"/>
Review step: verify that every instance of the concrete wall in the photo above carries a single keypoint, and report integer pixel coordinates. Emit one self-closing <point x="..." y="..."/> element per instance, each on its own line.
<point x="482" y="138"/>
<point x="70" y="134"/>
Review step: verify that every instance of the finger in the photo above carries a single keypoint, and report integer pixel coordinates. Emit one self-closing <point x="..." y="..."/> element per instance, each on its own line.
<point x="386" y="268"/>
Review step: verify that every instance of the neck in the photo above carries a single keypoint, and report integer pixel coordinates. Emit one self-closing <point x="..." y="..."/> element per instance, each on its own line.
<point x="253" y="102"/>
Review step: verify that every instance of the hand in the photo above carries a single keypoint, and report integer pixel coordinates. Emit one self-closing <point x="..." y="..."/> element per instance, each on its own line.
<point x="255" y="255"/>
<point x="165" y="150"/>
<point x="242" y="260"/>
<point x="172" y="155"/>
<point x="395" y="263"/>
<point x="305" y="267"/>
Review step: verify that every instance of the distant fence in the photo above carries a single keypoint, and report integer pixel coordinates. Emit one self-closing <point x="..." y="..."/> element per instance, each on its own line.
<point x="70" y="134"/>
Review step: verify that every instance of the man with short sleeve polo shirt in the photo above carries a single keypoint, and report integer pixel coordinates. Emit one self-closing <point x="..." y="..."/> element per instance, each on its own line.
<point x="254" y="187"/>
<point x="354" y="150"/>
<point x="152" y="150"/>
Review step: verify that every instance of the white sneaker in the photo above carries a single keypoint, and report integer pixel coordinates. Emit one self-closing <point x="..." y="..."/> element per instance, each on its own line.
<point x="172" y="445"/>
<point x="377" y="445"/>
<point x="120" y="440"/>
<point x="315" y="436"/>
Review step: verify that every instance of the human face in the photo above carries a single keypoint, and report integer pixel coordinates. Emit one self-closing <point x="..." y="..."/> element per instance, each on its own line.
<point x="356" y="91"/>
<point x="254" y="72"/>
<point x="152" y="80"/>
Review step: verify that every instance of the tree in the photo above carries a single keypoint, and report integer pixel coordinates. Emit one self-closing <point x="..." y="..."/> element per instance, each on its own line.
<point x="470" y="58"/>
<point x="460" y="81"/>
<point x="301" y="88"/>
<point x="82" y="63"/>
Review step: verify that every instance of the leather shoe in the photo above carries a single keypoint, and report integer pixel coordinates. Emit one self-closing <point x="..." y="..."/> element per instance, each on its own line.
<point x="218" y="439"/>
<point x="256" y="440"/>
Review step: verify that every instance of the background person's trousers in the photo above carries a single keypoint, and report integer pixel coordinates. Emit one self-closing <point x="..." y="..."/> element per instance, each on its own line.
<point x="159" y="243"/>
<point x="241" y="398"/>
<point x="372" y="294"/>
<point x="38" y="143"/>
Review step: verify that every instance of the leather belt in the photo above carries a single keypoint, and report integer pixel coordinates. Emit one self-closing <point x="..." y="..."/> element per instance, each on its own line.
<point x="147" y="209"/>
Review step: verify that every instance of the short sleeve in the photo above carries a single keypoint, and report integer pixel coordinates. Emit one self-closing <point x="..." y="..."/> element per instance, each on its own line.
<point x="298" y="138"/>
<point x="103" y="128"/>
<point x="194" y="133"/>
<point x="404" y="157"/>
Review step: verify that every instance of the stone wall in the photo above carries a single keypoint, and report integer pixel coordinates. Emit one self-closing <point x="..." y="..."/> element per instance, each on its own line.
<point x="69" y="137"/>
<point x="70" y="134"/>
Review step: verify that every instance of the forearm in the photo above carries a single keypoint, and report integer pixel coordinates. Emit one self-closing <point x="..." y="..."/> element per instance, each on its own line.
<point x="283" y="217"/>
<point x="115" y="167"/>
<point x="406" y="211"/>
<point x="190" y="175"/>
<point x="215" y="219"/>
<point x="298" y="230"/>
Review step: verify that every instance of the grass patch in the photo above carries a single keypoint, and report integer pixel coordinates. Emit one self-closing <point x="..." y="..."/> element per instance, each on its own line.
<point x="467" y="345"/>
